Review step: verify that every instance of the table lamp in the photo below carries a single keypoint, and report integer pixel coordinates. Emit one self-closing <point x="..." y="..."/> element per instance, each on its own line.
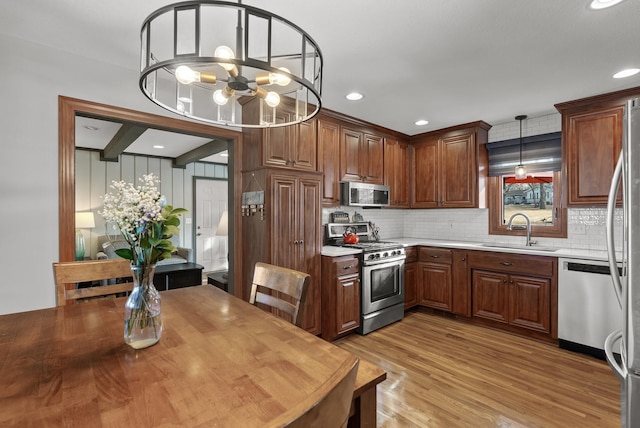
<point x="83" y="221"/>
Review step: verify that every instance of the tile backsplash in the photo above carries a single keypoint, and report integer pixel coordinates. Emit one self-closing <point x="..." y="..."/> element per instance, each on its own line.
<point x="586" y="226"/>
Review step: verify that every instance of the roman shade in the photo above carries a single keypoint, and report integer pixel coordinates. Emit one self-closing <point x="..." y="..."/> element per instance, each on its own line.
<point x="540" y="153"/>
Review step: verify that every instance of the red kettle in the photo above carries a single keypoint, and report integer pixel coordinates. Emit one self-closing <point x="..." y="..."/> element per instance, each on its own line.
<point x="351" y="238"/>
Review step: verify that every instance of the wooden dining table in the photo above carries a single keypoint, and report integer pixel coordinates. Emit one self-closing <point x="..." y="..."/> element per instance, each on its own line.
<point x="220" y="362"/>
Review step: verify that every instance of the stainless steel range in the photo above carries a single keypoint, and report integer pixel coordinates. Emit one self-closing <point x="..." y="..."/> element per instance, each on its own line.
<point x="381" y="275"/>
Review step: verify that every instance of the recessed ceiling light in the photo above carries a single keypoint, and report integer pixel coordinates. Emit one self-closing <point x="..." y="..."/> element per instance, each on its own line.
<point x="157" y="146"/>
<point x="603" y="4"/>
<point x="422" y="122"/>
<point x="626" y="73"/>
<point x="354" y="96"/>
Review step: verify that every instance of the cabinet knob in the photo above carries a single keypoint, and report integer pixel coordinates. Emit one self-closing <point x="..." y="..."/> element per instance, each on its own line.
<point x="435" y="257"/>
<point x="295" y="242"/>
<point x="506" y="263"/>
<point x="301" y="241"/>
<point x="348" y="267"/>
<point x="462" y="259"/>
<point x="504" y="281"/>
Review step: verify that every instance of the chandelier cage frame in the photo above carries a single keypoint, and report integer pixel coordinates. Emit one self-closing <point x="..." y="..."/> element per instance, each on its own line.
<point x="270" y="54"/>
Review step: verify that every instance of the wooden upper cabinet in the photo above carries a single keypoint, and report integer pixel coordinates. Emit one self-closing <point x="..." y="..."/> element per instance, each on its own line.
<point x="329" y="159"/>
<point x="292" y="147"/>
<point x="446" y="167"/>
<point x="592" y="140"/>
<point x="361" y="156"/>
<point x="426" y="170"/>
<point x="396" y="171"/>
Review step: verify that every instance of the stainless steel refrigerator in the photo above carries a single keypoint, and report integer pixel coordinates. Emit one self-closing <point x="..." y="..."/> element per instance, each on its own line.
<point x="626" y="281"/>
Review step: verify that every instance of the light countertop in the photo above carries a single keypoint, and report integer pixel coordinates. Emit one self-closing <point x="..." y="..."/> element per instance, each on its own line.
<point x="469" y="245"/>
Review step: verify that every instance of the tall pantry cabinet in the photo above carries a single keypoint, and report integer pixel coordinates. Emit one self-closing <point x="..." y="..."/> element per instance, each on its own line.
<point x="288" y="231"/>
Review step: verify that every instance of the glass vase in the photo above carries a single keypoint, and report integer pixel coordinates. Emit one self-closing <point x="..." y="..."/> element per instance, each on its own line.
<point x="142" y="317"/>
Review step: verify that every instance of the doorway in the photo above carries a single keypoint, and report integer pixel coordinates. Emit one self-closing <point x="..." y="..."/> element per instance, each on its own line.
<point x="210" y="202"/>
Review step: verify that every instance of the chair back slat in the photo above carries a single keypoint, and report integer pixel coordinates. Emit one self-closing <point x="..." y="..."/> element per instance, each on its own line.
<point x="270" y="282"/>
<point x="330" y="411"/>
<point x="69" y="274"/>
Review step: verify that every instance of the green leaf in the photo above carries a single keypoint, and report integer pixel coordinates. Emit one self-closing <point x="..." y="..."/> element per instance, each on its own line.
<point x="125" y="253"/>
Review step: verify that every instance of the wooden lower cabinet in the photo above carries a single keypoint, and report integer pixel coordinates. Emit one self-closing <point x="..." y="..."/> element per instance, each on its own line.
<point x="340" y="296"/>
<point x="461" y="284"/>
<point x="410" y="278"/>
<point x="434" y="278"/>
<point x="518" y="292"/>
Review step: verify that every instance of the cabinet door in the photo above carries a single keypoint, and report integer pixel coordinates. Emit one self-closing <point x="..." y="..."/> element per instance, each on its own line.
<point x="347" y="303"/>
<point x="372" y="155"/>
<point x="593" y="144"/>
<point x="410" y="286"/>
<point x="304" y="147"/>
<point x="457" y="173"/>
<point x="489" y="295"/>
<point x="308" y="247"/>
<point x="329" y="158"/>
<point x="425" y="173"/>
<point x="350" y="143"/>
<point x="284" y="229"/>
<point x="529" y="303"/>
<point x="434" y="280"/>
<point x="396" y="171"/>
<point x="460" y="284"/>
<point x="277" y="142"/>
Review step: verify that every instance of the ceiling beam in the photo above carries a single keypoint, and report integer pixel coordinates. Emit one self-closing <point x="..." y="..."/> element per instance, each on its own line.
<point x="126" y="135"/>
<point x="207" y="149"/>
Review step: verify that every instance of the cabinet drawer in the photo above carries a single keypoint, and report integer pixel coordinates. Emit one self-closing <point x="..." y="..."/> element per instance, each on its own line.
<point x="435" y="255"/>
<point x="347" y="267"/>
<point x="412" y="254"/>
<point x="512" y="263"/>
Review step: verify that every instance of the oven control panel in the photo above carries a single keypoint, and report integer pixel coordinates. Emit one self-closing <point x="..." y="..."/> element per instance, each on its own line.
<point x="385" y="254"/>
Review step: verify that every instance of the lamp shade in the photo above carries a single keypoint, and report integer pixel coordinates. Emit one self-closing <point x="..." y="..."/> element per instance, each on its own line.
<point x="85" y="220"/>
<point x="223" y="226"/>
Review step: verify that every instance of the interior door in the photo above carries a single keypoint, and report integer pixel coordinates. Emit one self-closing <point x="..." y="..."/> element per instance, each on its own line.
<point x="211" y="201"/>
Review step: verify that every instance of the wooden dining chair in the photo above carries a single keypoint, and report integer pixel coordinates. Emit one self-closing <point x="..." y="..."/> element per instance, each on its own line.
<point x="269" y="285"/>
<point x="69" y="274"/>
<point x="332" y="410"/>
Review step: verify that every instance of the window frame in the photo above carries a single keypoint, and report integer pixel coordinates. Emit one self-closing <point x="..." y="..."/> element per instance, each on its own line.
<point x="496" y="227"/>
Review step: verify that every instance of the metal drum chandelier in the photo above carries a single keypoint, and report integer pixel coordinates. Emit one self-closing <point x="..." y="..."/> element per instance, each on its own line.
<point x="216" y="61"/>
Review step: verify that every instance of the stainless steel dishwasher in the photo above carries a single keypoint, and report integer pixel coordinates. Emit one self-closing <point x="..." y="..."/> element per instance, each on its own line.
<point x="588" y="309"/>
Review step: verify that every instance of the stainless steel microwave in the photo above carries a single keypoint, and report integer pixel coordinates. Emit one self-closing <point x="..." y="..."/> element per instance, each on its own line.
<point x="355" y="194"/>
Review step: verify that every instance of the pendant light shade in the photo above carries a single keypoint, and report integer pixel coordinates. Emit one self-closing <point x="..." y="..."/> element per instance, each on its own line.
<point x="521" y="171"/>
<point x="207" y="59"/>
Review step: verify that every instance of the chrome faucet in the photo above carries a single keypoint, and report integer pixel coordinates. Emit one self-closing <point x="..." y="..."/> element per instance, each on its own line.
<point x="527" y="227"/>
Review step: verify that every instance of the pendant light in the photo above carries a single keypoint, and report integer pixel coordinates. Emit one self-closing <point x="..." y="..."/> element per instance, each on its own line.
<point x="521" y="172"/>
<point x="210" y="60"/>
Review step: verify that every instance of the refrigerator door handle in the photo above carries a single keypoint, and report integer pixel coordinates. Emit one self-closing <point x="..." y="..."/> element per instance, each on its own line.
<point x="611" y="249"/>
<point x="619" y="370"/>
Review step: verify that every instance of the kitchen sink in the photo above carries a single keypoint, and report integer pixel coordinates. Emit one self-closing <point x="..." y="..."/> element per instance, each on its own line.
<point x="520" y="247"/>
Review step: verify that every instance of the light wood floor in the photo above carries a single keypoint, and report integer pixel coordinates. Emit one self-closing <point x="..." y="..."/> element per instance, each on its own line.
<point x="447" y="373"/>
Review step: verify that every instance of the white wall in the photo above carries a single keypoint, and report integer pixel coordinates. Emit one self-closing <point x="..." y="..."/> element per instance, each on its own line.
<point x="32" y="79"/>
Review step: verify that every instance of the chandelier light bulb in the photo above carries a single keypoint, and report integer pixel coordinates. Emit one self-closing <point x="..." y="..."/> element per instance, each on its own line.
<point x="272" y="99"/>
<point x="186" y="75"/>
<point x="227" y="53"/>
<point x="221" y="96"/>
<point x="521" y="172"/>
<point x="280" y="79"/>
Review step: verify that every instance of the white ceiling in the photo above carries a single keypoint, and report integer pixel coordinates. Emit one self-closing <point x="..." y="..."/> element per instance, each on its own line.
<point x="449" y="62"/>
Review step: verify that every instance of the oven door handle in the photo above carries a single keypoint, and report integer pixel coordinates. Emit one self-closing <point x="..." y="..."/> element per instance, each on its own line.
<point x="393" y="260"/>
